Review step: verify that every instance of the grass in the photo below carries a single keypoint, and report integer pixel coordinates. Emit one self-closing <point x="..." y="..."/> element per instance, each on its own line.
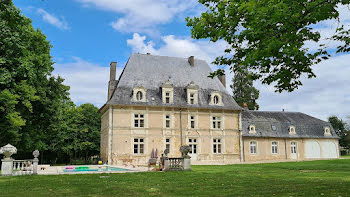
<point x="311" y="178"/>
<point x="345" y="156"/>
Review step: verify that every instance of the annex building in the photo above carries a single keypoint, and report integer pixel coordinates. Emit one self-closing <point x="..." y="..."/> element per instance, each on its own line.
<point x="162" y="102"/>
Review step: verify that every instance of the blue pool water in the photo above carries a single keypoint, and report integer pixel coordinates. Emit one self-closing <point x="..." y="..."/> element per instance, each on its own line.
<point x="96" y="169"/>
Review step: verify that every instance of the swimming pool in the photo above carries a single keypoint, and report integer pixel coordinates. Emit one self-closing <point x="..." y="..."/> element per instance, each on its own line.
<point x="93" y="169"/>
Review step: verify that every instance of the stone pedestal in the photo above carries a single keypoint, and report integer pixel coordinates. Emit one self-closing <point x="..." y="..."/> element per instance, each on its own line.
<point x="35" y="165"/>
<point x="6" y="167"/>
<point x="187" y="164"/>
<point x="166" y="165"/>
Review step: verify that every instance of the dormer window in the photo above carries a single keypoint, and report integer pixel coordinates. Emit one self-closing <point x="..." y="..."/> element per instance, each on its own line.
<point x="252" y="129"/>
<point x="292" y="130"/>
<point x="216" y="98"/>
<point x="139" y="94"/>
<point x="191" y="98"/>
<point x="167" y="92"/>
<point x="167" y="97"/>
<point x="192" y="93"/>
<point x="327" y="131"/>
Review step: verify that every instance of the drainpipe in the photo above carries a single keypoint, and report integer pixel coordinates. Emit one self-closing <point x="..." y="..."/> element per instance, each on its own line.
<point x="285" y="148"/>
<point x="181" y="126"/>
<point x="110" y="135"/>
<point x="241" y="145"/>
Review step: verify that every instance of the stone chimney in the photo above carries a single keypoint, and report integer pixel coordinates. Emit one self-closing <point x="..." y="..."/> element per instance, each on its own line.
<point x="112" y="81"/>
<point x="222" y="78"/>
<point x="245" y="106"/>
<point x="191" y="60"/>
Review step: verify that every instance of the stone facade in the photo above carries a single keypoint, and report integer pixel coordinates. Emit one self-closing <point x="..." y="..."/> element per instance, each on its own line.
<point x="155" y="134"/>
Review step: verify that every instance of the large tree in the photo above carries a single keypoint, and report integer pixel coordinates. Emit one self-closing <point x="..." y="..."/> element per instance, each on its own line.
<point x="29" y="94"/>
<point x="268" y="36"/>
<point x="243" y="89"/>
<point x="340" y="127"/>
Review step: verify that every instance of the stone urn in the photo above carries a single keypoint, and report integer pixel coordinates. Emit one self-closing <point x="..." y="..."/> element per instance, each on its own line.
<point x="7" y="151"/>
<point x="185" y="149"/>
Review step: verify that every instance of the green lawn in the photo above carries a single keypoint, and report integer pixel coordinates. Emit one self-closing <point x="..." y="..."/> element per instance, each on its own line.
<point x="313" y="178"/>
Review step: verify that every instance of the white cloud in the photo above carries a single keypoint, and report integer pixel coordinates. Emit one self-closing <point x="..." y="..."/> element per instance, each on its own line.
<point x="53" y="20"/>
<point x="142" y="15"/>
<point x="87" y="81"/>
<point x="328" y="94"/>
<point x="328" y="28"/>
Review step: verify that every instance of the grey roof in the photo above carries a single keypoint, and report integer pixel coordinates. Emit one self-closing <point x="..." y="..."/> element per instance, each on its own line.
<point x="151" y="72"/>
<point x="305" y="126"/>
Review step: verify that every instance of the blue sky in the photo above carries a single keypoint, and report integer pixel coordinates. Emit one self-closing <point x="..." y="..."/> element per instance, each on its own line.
<point x="88" y="34"/>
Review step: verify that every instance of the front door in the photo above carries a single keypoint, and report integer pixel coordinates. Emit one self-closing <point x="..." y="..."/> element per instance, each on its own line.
<point x="192" y="142"/>
<point x="293" y="150"/>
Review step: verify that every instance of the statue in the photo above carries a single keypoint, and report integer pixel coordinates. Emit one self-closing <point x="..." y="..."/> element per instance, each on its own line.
<point x="185" y="149"/>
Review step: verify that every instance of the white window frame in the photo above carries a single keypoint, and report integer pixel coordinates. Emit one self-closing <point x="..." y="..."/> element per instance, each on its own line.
<point x="253" y="151"/>
<point x="252" y="129"/>
<point x="167" y="88"/>
<point x="194" y="145"/>
<point x="142" y="90"/>
<point x="216" y="94"/>
<point x="217" y="146"/>
<point x="327" y="131"/>
<point x="293" y="147"/>
<point x="195" y="120"/>
<point x="168" y="144"/>
<point x="215" y="120"/>
<point x="274" y="147"/>
<point x="169" y="119"/>
<point x="137" y="117"/>
<point x="139" y="143"/>
<point x="292" y="130"/>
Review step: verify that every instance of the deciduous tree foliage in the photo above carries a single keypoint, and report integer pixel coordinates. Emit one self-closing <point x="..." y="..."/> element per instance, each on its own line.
<point x="243" y="89"/>
<point x="268" y="36"/>
<point x="340" y="128"/>
<point x="35" y="109"/>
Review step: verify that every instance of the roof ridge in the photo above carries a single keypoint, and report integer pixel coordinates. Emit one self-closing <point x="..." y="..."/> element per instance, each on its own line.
<point x="174" y="57"/>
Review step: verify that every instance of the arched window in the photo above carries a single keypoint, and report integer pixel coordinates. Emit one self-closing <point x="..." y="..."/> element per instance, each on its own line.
<point x="216" y="99"/>
<point x="251" y="129"/>
<point x="327" y="131"/>
<point x="292" y="130"/>
<point x="139" y="95"/>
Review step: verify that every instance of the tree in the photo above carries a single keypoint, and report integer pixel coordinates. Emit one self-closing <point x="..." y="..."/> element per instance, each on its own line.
<point x="339" y="127"/>
<point x="29" y="95"/>
<point x="243" y="89"/>
<point x="268" y="36"/>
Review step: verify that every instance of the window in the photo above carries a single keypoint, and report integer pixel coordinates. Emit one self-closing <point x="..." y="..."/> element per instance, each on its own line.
<point x="139" y="120"/>
<point x="192" y="142"/>
<point x="216" y="145"/>
<point x="293" y="147"/>
<point x="192" y="122"/>
<point x="139" y="95"/>
<point x="167" y="97"/>
<point x="167" y="144"/>
<point x="216" y="100"/>
<point x="292" y="130"/>
<point x="274" y="146"/>
<point x="139" y="146"/>
<point x="253" y="148"/>
<point x="191" y="98"/>
<point x="327" y="131"/>
<point x="167" y="121"/>
<point x="251" y="129"/>
<point x="216" y="122"/>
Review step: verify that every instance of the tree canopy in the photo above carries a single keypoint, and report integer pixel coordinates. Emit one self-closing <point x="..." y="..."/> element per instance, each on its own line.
<point x="243" y="89"/>
<point x="340" y="127"/>
<point x="268" y="36"/>
<point x="35" y="109"/>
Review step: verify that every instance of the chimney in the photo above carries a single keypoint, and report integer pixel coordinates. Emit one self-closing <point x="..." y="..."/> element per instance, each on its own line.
<point x="282" y="110"/>
<point x="222" y="78"/>
<point x="245" y="106"/>
<point x="191" y="60"/>
<point x="112" y="82"/>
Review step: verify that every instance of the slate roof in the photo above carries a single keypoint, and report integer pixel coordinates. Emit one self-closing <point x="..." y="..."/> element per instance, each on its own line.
<point x="151" y="72"/>
<point x="305" y="126"/>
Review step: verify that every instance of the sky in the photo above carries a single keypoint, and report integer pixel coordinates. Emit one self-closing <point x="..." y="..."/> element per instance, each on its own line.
<point x="88" y="34"/>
